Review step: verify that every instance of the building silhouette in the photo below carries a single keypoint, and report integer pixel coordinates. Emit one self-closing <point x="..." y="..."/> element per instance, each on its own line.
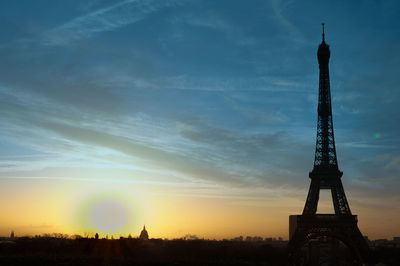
<point x="311" y="228"/>
<point x="144" y="235"/>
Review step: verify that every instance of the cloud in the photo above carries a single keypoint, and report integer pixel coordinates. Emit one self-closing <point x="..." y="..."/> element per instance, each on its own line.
<point x="153" y="157"/>
<point x="186" y="147"/>
<point x="267" y="159"/>
<point x="245" y="84"/>
<point x="278" y="7"/>
<point x="75" y="131"/>
<point x="105" y="19"/>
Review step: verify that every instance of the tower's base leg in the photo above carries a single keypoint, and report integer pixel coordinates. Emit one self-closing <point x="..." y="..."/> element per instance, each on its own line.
<point x="316" y="239"/>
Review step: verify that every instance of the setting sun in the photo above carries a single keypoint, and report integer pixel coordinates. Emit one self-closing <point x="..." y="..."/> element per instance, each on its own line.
<point x="109" y="216"/>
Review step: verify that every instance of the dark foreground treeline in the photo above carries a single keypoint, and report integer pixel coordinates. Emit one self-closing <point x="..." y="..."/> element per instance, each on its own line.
<point x="53" y="251"/>
<point x="56" y="251"/>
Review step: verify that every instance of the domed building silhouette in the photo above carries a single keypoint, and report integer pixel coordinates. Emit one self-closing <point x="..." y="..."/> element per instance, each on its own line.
<point x="144" y="235"/>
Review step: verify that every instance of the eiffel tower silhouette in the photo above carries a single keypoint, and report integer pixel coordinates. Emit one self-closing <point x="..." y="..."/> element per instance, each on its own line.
<point x="341" y="225"/>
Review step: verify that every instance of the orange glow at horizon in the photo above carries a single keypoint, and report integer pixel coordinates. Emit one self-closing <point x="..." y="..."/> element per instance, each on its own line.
<point x="84" y="208"/>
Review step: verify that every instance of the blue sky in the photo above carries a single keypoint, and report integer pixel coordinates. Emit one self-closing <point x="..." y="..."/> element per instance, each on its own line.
<point x="207" y="97"/>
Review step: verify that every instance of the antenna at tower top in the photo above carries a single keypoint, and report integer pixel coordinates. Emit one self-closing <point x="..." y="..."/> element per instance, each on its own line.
<point x="323" y="32"/>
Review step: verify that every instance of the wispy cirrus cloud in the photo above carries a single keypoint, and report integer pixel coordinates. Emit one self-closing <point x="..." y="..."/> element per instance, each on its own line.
<point x="193" y="149"/>
<point x="105" y="19"/>
<point x="278" y="7"/>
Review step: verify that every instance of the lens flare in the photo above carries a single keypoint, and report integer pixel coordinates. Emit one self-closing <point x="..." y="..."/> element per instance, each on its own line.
<point x="377" y="136"/>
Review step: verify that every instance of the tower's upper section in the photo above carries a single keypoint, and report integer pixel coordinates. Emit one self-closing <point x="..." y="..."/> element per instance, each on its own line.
<point x="323" y="50"/>
<point x="325" y="163"/>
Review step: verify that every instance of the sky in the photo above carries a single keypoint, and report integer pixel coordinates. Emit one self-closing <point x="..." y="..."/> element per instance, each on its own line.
<point x="192" y="116"/>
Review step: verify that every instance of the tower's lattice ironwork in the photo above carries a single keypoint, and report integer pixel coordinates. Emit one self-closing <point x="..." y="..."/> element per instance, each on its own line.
<point x="342" y="224"/>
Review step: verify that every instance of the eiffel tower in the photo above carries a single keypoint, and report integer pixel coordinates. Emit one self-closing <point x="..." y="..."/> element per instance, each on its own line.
<point x="342" y="225"/>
